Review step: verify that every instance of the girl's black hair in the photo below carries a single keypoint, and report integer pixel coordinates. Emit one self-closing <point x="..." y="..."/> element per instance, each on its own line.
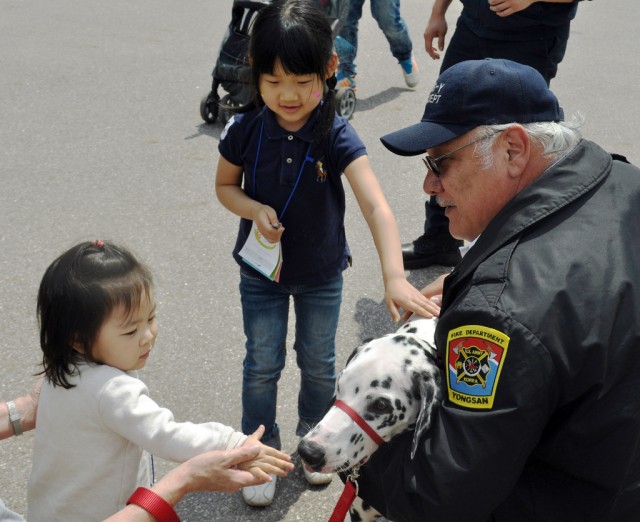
<point x="297" y="34"/>
<point x="77" y="294"/>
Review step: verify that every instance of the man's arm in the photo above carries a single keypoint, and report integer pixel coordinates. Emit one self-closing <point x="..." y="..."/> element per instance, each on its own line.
<point x="436" y="28"/>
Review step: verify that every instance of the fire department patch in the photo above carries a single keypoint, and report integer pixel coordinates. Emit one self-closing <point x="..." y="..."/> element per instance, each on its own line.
<point x="475" y="356"/>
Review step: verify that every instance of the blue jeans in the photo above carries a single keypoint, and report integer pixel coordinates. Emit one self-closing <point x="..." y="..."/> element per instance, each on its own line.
<point x="387" y="14"/>
<point x="265" y="312"/>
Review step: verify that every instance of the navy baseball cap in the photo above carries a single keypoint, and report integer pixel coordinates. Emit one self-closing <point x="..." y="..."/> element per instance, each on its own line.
<point x="474" y="93"/>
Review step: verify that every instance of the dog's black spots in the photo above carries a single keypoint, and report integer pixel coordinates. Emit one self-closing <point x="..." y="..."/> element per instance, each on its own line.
<point x="407" y="362"/>
<point x="386" y="384"/>
<point x="356" y="390"/>
<point x="411" y="330"/>
<point x="368" y="417"/>
<point x="399" y="339"/>
<point x="338" y="451"/>
<point x="414" y="351"/>
<point x="401" y="417"/>
<point x="389" y="420"/>
<point x="374" y="383"/>
<point x="356" y="438"/>
<point x="400" y="405"/>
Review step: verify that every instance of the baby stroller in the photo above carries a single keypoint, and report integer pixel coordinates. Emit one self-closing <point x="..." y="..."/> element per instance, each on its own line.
<point x="232" y="71"/>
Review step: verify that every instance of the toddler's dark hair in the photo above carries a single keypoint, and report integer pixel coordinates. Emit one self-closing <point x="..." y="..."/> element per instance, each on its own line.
<point x="297" y="33"/>
<point x="78" y="292"/>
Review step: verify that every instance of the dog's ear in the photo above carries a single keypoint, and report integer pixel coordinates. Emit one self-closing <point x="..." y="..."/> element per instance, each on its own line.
<point x="427" y="385"/>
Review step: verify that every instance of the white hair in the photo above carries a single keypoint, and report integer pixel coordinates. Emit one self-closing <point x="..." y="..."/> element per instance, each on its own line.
<point x="554" y="138"/>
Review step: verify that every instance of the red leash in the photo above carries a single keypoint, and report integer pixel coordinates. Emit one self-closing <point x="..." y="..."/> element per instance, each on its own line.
<point x="350" y="491"/>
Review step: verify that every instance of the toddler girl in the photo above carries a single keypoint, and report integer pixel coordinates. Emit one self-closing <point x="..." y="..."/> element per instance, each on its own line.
<point x="98" y="326"/>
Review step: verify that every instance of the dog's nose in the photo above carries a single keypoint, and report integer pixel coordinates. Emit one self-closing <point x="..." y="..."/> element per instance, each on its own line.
<point x="312" y="453"/>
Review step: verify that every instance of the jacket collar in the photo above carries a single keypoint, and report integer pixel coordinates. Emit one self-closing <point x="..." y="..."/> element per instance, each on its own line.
<point x="573" y="176"/>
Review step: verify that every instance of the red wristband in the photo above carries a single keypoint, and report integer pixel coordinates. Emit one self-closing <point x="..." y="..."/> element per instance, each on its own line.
<point x="154" y="504"/>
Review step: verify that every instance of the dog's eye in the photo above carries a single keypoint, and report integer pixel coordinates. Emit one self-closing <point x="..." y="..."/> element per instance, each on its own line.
<point x="381" y="405"/>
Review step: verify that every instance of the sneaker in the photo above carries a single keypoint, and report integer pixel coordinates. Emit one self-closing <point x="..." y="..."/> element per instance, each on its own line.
<point x="261" y="495"/>
<point x="345" y="82"/>
<point x="316" y="479"/>
<point x="431" y="250"/>
<point x="410" y="71"/>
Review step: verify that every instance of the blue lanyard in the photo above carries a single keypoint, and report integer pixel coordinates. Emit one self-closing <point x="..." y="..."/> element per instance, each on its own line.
<point x="307" y="158"/>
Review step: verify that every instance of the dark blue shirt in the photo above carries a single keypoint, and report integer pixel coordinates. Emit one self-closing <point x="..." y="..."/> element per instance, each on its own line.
<point x="314" y="244"/>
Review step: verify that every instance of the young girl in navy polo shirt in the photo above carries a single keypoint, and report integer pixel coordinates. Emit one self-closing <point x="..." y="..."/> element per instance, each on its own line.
<point x="280" y="171"/>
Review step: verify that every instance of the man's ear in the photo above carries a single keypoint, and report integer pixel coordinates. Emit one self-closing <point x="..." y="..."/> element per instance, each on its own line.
<point x="516" y="147"/>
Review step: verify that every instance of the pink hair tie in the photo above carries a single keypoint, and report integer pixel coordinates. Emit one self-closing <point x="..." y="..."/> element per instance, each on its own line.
<point x="98" y="243"/>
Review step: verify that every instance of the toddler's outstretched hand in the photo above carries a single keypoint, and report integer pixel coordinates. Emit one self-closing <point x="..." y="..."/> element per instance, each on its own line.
<point x="268" y="461"/>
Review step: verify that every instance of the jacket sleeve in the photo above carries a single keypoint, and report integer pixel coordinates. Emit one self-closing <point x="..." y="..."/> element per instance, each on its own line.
<point x="126" y="408"/>
<point x="471" y="458"/>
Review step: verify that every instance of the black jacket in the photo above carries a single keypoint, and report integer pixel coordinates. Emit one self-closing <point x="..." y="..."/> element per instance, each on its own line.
<point x="540" y="341"/>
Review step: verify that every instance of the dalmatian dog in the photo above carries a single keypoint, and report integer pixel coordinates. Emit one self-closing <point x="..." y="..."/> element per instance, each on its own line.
<point x="392" y="384"/>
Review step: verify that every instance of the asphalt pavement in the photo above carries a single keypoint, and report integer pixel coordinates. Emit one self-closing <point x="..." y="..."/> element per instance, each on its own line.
<point x="101" y="138"/>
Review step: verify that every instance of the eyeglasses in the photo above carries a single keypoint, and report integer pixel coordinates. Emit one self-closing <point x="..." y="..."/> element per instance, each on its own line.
<point x="432" y="163"/>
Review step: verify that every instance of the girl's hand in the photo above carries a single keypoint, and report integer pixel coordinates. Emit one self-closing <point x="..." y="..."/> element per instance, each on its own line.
<point x="268" y="461"/>
<point x="399" y="293"/>
<point x="432" y="291"/>
<point x="267" y="222"/>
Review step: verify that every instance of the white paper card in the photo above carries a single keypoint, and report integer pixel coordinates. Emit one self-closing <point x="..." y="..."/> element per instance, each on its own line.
<point x="265" y="257"/>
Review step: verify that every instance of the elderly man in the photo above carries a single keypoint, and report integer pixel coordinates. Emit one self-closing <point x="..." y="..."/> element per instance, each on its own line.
<point x="539" y="332"/>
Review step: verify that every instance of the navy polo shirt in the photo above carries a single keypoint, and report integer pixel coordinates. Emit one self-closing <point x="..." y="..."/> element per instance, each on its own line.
<point x="314" y="244"/>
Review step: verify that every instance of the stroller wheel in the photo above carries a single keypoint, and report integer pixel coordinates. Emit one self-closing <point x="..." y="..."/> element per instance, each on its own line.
<point x="227" y="106"/>
<point x="209" y="107"/>
<point x="346" y="103"/>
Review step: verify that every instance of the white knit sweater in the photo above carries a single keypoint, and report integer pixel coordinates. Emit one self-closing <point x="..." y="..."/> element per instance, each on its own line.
<point x="88" y="451"/>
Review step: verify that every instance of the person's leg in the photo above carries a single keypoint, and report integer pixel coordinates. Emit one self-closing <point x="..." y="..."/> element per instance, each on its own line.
<point x="317" y="308"/>
<point x="265" y="309"/>
<point x="543" y="54"/>
<point x="387" y="14"/>
<point x="347" y="41"/>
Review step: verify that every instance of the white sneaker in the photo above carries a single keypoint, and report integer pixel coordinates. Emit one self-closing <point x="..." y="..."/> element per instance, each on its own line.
<point x="261" y="495"/>
<point x="410" y="72"/>
<point x="316" y="479"/>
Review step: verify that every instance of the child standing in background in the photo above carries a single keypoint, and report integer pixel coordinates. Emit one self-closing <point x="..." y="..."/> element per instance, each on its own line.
<point x="98" y="325"/>
<point x="280" y="171"/>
